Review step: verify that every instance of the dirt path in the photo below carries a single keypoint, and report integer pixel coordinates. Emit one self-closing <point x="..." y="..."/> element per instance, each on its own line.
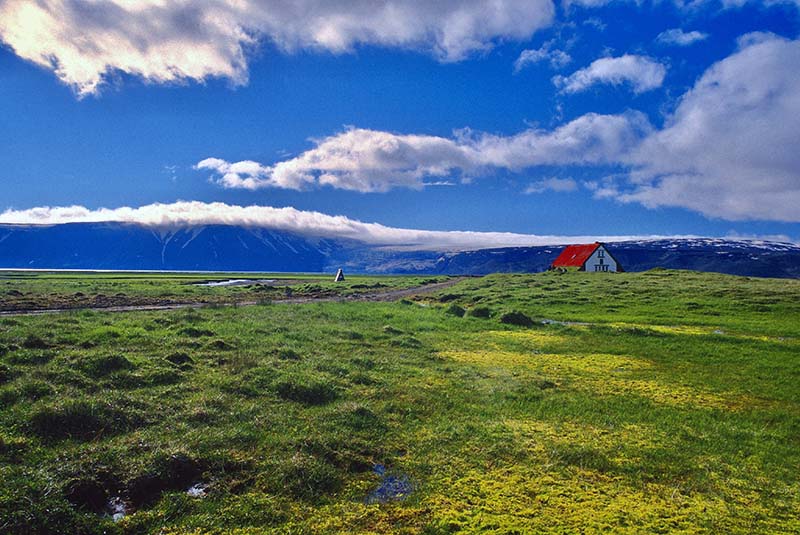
<point x="391" y="295"/>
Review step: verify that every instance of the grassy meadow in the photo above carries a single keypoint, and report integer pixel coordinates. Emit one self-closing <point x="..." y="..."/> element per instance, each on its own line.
<point x="656" y="402"/>
<point x="30" y="290"/>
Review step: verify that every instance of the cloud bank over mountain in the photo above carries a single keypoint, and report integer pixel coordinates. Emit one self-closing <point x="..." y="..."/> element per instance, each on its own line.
<point x="289" y="219"/>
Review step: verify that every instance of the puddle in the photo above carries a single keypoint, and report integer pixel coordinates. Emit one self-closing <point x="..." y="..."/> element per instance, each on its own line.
<point x="237" y="282"/>
<point x="390" y="488"/>
<point x="198" y="490"/>
<point x="116" y="508"/>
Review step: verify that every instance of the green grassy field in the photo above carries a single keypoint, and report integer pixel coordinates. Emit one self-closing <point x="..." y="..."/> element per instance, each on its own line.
<point x="658" y="402"/>
<point x="28" y="290"/>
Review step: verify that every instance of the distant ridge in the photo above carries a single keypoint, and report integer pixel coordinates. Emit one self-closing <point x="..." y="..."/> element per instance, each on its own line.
<point x="233" y="248"/>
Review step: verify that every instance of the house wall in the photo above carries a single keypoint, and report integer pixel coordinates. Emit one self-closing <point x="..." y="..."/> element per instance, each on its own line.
<point x="602" y="259"/>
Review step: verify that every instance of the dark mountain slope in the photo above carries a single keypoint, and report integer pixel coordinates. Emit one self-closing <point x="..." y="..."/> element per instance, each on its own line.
<point x="232" y="248"/>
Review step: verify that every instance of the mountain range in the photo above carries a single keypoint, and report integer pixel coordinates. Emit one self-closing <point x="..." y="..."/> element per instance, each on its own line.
<point x="126" y="246"/>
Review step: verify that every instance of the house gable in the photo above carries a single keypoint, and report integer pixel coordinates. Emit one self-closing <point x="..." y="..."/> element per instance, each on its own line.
<point x="587" y="257"/>
<point x="575" y="255"/>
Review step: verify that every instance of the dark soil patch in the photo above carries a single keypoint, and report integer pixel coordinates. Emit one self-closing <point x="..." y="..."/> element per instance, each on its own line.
<point x="176" y="472"/>
<point x="87" y="494"/>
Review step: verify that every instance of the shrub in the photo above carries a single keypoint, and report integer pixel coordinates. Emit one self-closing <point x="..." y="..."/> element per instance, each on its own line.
<point x="34" y="390"/>
<point x="516" y="318"/>
<point x="80" y="419"/>
<point x="193" y="332"/>
<point x="455" y="310"/>
<point x="180" y="359"/>
<point x="308" y="477"/>
<point x="8" y="396"/>
<point x="480" y="312"/>
<point x="221" y="345"/>
<point x="5" y="373"/>
<point x="288" y="354"/>
<point x="406" y="342"/>
<point x="34" y="342"/>
<point x="359" y="418"/>
<point x="388" y="329"/>
<point x="104" y="365"/>
<point x="12" y="447"/>
<point x="306" y="390"/>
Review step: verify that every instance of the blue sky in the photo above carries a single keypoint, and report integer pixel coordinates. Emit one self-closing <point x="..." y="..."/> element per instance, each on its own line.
<point x="411" y="117"/>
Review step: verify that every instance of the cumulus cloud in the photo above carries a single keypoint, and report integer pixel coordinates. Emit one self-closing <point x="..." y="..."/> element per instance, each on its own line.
<point x="555" y="57"/>
<point x="180" y="214"/>
<point x="678" y="37"/>
<point x="552" y="184"/>
<point x="641" y="73"/>
<point x="85" y="42"/>
<point x="730" y="150"/>
<point x="376" y="161"/>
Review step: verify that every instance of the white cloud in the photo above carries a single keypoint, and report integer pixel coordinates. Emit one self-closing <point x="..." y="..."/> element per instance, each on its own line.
<point x="560" y="185"/>
<point x="730" y="150"/>
<point x="555" y="57"/>
<point x="291" y="220"/>
<point x="375" y="161"/>
<point x="356" y="159"/>
<point x="678" y="37"/>
<point x="591" y="139"/>
<point x="85" y="42"/>
<point x="642" y="73"/>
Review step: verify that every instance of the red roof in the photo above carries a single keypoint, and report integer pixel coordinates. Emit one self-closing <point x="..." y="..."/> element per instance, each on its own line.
<point x="575" y="255"/>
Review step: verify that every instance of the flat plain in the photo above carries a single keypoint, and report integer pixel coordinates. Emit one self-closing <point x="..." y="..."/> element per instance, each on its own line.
<point x="655" y="402"/>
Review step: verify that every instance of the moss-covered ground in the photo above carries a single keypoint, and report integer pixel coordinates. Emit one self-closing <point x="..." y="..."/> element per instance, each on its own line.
<point x="658" y="402"/>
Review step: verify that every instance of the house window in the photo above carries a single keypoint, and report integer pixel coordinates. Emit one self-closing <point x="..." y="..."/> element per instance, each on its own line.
<point x="601" y="261"/>
<point x="601" y="253"/>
